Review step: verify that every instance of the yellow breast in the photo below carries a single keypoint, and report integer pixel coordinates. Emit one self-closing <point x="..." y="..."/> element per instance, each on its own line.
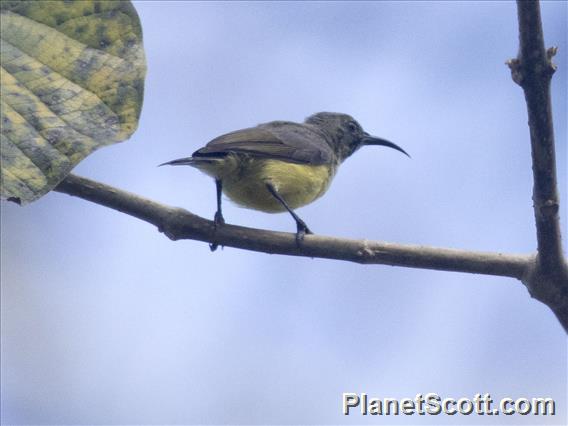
<point x="244" y="182"/>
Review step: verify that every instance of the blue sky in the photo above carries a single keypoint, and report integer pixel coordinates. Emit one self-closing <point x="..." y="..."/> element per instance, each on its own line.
<point x="105" y="321"/>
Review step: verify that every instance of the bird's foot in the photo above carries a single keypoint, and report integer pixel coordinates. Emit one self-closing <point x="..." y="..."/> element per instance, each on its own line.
<point x="302" y="231"/>
<point x="218" y="221"/>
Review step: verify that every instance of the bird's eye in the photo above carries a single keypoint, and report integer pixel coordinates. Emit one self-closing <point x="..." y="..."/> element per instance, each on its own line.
<point x="353" y="128"/>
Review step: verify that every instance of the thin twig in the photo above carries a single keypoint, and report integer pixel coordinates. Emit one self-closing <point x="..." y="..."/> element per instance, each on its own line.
<point x="178" y="224"/>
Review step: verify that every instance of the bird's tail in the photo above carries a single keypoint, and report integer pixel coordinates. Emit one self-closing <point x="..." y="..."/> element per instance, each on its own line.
<point x="210" y="166"/>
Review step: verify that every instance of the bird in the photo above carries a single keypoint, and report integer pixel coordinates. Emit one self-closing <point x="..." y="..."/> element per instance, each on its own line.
<point x="280" y="166"/>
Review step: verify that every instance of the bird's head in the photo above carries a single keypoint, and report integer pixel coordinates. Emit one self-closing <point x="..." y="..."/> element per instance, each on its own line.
<point x="345" y="135"/>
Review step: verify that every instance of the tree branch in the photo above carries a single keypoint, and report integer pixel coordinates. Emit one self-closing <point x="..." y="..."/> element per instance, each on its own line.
<point x="178" y="224"/>
<point x="545" y="275"/>
<point x="533" y="70"/>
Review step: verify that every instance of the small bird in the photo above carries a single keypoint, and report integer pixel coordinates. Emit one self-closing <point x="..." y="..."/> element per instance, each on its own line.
<point x="281" y="165"/>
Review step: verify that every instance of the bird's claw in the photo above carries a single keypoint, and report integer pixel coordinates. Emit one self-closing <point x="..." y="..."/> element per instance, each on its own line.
<point x="218" y="220"/>
<point x="302" y="231"/>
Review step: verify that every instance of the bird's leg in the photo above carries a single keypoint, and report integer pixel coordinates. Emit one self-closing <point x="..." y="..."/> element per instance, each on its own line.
<point x="218" y="218"/>
<point x="302" y="228"/>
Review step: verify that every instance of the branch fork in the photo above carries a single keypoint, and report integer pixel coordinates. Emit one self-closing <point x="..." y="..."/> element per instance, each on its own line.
<point x="545" y="274"/>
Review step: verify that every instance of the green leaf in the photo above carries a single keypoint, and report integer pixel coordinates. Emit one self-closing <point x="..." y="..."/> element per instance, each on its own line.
<point x="71" y="81"/>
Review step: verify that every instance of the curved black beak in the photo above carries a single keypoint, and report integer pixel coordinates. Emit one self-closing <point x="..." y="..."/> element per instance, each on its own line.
<point x="179" y="162"/>
<point x="372" y="140"/>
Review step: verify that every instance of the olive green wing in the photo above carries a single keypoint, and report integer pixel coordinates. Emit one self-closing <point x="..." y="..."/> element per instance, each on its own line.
<point x="283" y="141"/>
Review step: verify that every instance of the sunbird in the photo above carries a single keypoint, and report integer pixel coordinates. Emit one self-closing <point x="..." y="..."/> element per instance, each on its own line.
<point x="281" y="165"/>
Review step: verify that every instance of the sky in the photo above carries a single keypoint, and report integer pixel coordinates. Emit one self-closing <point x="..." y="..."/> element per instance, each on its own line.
<point x="106" y="321"/>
